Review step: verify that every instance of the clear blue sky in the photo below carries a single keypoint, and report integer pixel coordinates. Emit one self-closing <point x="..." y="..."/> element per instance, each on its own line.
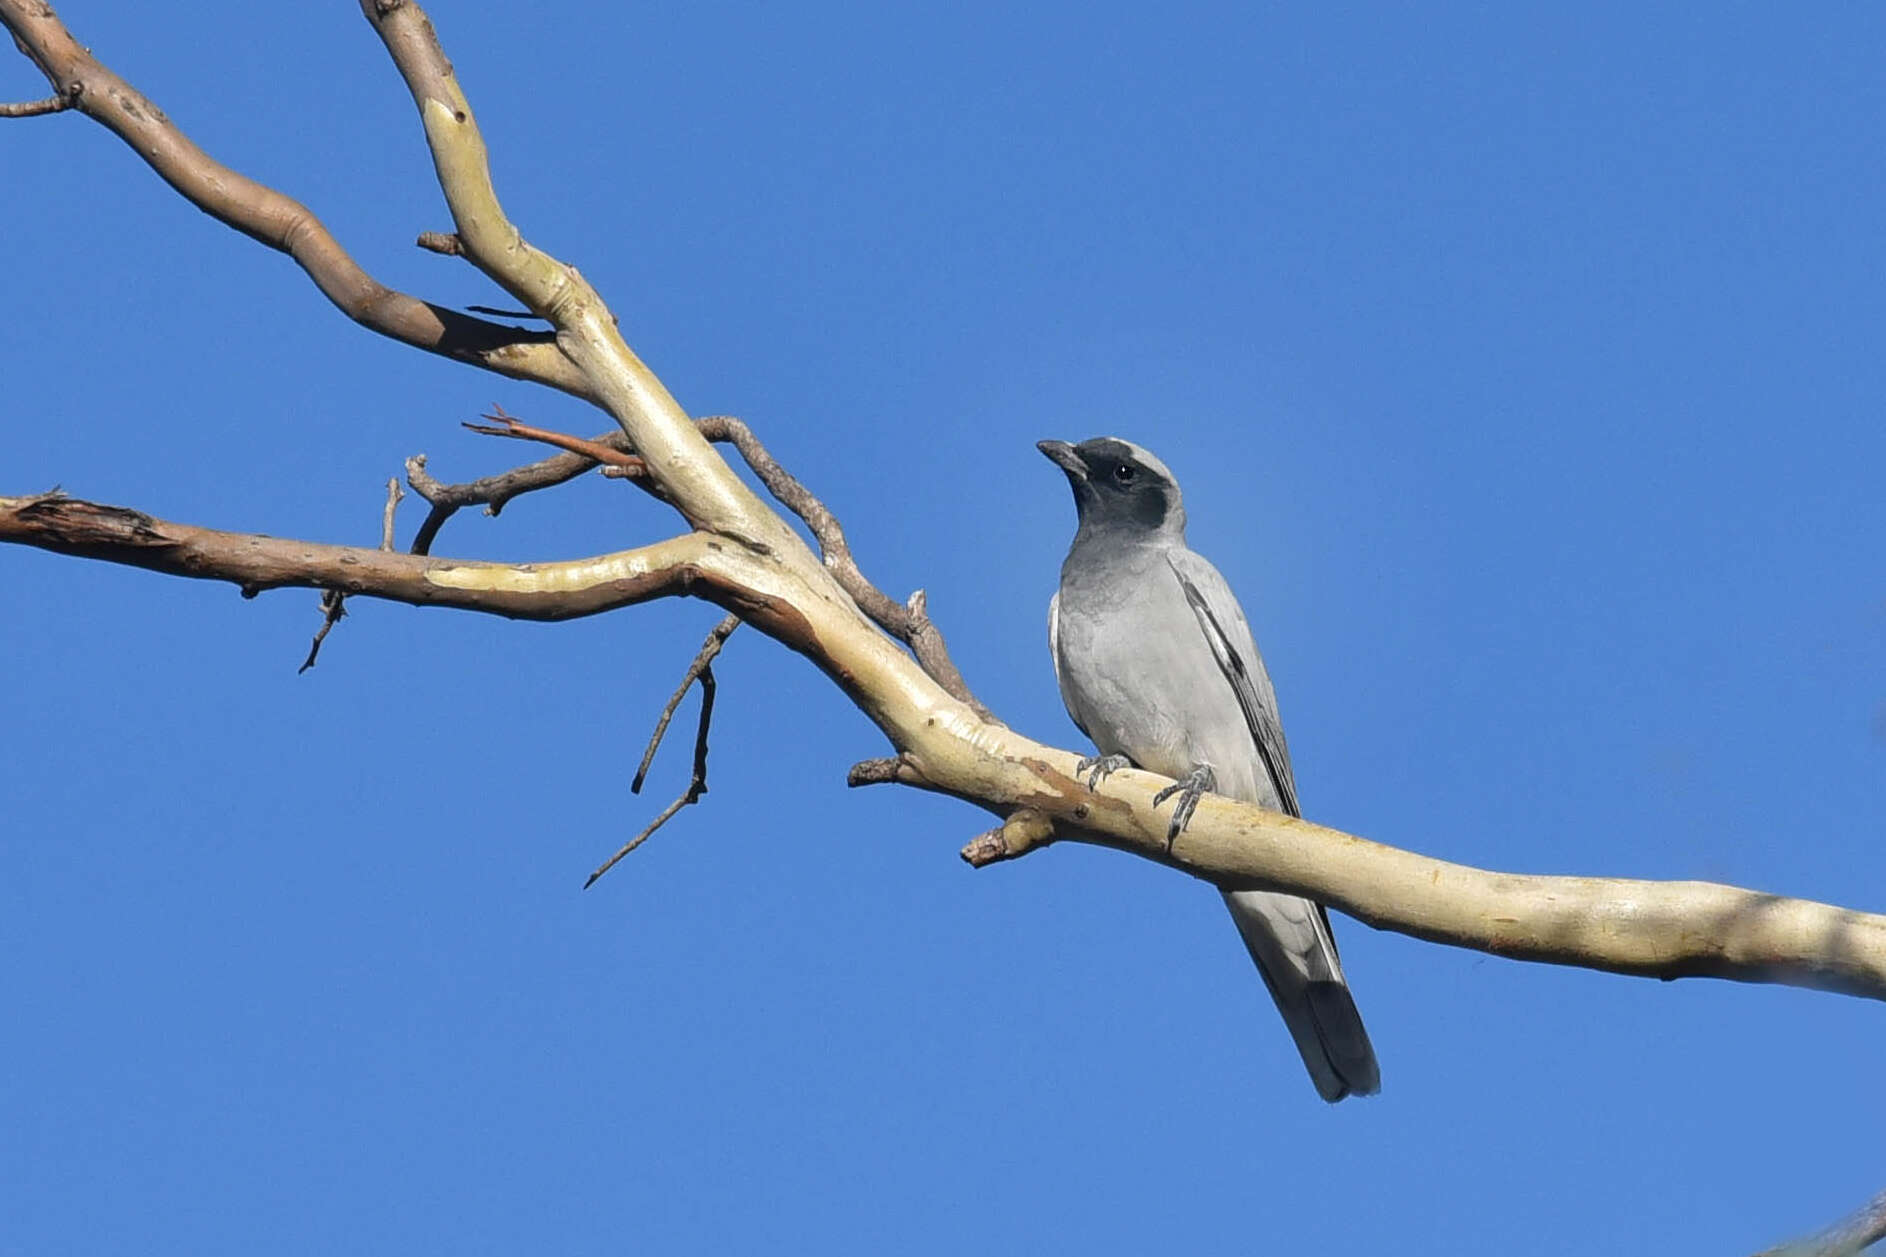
<point x="1523" y="371"/>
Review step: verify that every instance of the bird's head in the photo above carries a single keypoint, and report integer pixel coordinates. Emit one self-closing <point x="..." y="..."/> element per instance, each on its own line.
<point x="1119" y="487"/>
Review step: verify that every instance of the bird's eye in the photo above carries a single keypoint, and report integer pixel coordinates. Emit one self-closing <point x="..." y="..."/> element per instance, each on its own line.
<point x="1123" y="473"/>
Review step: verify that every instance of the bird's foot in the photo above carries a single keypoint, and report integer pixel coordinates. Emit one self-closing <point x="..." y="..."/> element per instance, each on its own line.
<point x="1200" y="781"/>
<point x="1099" y="767"/>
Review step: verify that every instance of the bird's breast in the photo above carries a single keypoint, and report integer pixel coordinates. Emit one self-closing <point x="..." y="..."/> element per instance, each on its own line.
<point x="1141" y="679"/>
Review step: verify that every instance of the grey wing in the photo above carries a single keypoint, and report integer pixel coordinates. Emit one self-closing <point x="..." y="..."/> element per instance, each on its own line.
<point x="1060" y="674"/>
<point x="1222" y="621"/>
<point x="1289" y="938"/>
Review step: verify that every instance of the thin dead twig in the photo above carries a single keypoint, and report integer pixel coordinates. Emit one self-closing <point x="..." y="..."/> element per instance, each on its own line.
<point x="35" y="108"/>
<point x="333" y="601"/>
<point x="333" y="611"/>
<point x="393" y="496"/>
<point x="509" y="425"/>
<point x="702" y="670"/>
<point x="716" y="638"/>
<point x="493" y="492"/>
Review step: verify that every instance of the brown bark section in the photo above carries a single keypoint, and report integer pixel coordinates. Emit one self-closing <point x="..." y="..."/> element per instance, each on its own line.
<point x="117" y="534"/>
<point x="278" y="221"/>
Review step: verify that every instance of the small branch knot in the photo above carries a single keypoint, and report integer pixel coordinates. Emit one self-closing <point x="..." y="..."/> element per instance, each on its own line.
<point x="1022" y="832"/>
<point x="879" y="772"/>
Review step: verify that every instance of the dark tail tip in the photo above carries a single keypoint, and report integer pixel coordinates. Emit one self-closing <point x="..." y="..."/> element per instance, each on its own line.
<point x="1345" y="1043"/>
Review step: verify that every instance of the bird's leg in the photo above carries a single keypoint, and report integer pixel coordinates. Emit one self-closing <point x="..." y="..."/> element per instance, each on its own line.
<point x="1201" y="780"/>
<point x="1098" y="767"/>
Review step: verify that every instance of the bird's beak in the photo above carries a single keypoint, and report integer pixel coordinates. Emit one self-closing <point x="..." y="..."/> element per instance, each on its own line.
<point x="1064" y="456"/>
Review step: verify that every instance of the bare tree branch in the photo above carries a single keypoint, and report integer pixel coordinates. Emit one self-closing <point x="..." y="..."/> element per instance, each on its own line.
<point x="333" y="611"/>
<point x="333" y="601"/>
<point x="491" y="492"/>
<point x="700" y="484"/>
<point x="1864" y="1227"/>
<point x="393" y="495"/>
<point x="716" y="638"/>
<point x="701" y="670"/>
<point x="690" y="563"/>
<point x="274" y="219"/>
<point x="627" y="465"/>
<point x="1650" y="929"/>
<point x="686" y="797"/>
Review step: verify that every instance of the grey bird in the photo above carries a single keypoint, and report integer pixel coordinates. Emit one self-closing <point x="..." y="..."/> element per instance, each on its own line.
<point x="1157" y="667"/>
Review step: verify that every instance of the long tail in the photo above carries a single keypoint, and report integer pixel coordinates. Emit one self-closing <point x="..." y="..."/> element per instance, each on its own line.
<point x="1289" y="938"/>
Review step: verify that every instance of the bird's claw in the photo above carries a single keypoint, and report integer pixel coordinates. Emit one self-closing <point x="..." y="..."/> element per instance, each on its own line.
<point x="1099" y="767"/>
<point x="1200" y="781"/>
